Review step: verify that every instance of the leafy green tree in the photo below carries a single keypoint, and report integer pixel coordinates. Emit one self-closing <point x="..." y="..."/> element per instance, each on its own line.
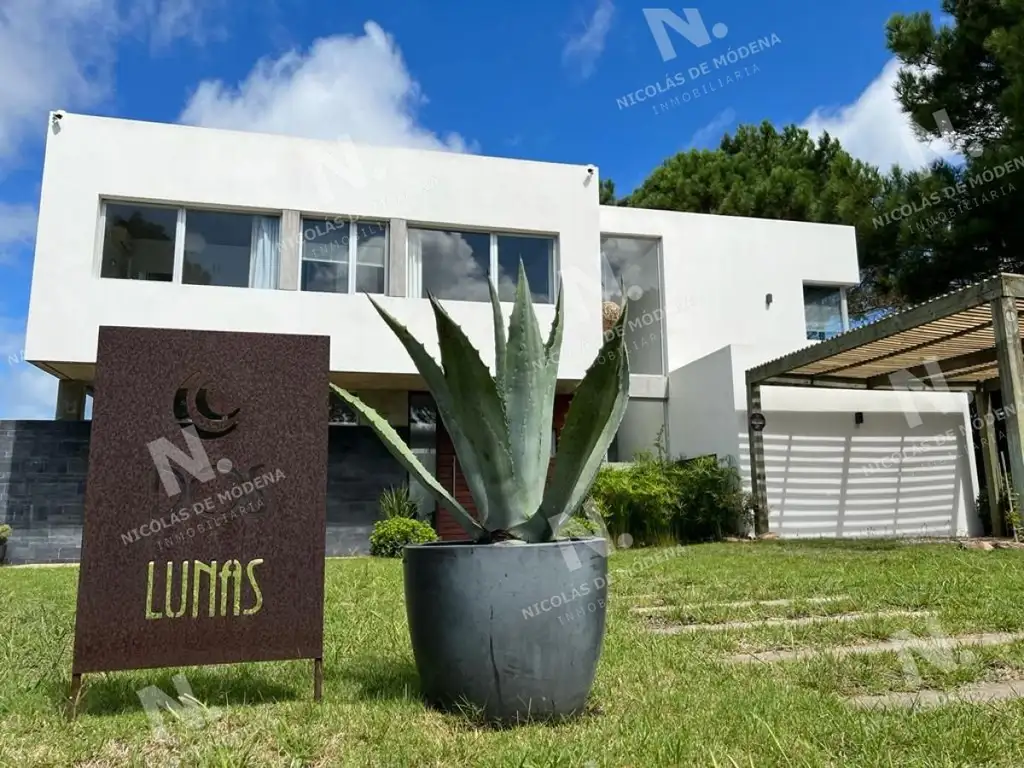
<point x="973" y="70"/>
<point x="764" y="173"/>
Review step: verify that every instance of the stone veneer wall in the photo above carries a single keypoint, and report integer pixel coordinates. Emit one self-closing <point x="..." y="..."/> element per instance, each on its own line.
<point x="43" y="468"/>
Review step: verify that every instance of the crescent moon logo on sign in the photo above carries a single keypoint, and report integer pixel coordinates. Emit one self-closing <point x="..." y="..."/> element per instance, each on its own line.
<point x="198" y="402"/>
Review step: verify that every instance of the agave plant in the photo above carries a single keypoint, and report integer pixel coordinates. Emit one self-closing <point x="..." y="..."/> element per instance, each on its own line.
<point x="501" y="425"/>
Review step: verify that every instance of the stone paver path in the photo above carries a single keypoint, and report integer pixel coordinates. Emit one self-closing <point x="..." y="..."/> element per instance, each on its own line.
<point x="676" y="629"/>
<point x="893" y="646"/>
<point x="974" y="693"/>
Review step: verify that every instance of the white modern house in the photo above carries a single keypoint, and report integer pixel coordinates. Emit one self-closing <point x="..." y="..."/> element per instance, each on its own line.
<point x="144" y="224"/>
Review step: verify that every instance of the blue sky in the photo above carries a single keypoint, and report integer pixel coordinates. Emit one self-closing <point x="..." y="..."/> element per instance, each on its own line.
<point x="534" y="79"/>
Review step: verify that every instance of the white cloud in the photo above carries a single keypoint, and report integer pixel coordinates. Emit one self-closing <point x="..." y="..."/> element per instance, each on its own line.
<point x="59" y="54"/>
<point x="712" y="132"/>
<point x="874" y="128"/>
<point x="347" y="86"/>
<point x="17" y="227"/>
<point x="584" y="49"/>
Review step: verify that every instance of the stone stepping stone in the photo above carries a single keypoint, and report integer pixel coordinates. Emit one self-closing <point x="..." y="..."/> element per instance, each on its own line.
<point x="646" y="609"/>
<point x="888" y="646"/>
<point x="974" y="693"/>
<point x="676" y="629"/>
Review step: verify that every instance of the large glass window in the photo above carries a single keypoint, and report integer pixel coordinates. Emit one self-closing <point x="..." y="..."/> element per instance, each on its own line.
<point x="537" y="255"/>
<point x="142" y="242"/>
<point x="330" y="248"/>
<point x="457" y="265"/>
<point x="228" y="248"/>
<point x="823" y="312"/>
<point x="138" y="242"/>
<point x="633" y="265"/>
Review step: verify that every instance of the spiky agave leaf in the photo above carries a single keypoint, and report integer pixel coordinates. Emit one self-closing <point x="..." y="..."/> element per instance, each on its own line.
<point x="401" y="451"/>
<point x="438" y="386"/>
<point x="595" y="413"/>
<point x="529" y="377"/>
<point x="479" y="408"/>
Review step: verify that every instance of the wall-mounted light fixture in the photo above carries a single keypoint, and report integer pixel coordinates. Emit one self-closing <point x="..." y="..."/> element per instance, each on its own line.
<point x="858" y="418"/>
<point x="767" y="300"/>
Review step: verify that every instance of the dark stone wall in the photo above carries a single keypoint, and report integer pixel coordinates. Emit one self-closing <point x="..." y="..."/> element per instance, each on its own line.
<point x="43" y="468"/>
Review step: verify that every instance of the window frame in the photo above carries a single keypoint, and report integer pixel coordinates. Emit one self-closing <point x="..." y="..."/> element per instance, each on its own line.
<point x="351" y="256"/>
<point x="492" y="255"/>
<point x="844" y="310"/>
<point x="659" y="242"/>
<point x="179" y="232"/>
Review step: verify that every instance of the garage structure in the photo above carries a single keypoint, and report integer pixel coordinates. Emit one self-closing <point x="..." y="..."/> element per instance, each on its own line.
<point x="968" y="340"/>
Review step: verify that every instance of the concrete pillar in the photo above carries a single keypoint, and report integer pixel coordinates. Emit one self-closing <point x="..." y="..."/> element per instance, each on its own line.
<point x="398" y="236"/>
<point x="990" y="458"/>
<point x="291" y="251"/>
<point x="1006" y="325"/>
<point x="70" y="400"/>
<point x="758" y="482"/>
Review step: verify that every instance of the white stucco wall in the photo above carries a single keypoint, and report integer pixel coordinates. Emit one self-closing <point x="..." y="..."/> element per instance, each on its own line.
<point x="717" y="270"/>
<point x="93" y="158"/>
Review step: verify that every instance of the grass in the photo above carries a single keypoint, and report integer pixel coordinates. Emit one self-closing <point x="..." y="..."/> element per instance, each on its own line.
<point x="657" y="701"/>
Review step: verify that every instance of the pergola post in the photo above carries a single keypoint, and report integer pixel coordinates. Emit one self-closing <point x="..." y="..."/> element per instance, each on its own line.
<point x="1011" y="380"/>
<point x="990" y="458"/>
<point x="758" y="482"/>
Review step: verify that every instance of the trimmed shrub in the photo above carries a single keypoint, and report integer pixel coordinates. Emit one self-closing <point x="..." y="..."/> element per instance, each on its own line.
<point x="397" y="502"/>
<point x="390" y="536"/>
<point x="5" y="533"/>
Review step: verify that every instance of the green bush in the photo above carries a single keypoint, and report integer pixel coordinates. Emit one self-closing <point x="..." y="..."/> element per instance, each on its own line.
<point x="397" y="502"/>
<point x="391" y="535"/>
<point x="637" y="498"/>
<point x="5" y="533"/>
<point x="711" y="503"/>
<point x="654" y="499"/>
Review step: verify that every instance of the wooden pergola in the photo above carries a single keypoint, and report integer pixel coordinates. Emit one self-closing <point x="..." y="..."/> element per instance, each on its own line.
<point x="969" y="340"/>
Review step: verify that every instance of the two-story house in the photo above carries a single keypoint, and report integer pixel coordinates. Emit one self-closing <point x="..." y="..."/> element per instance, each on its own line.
<point x="144" y="224"/>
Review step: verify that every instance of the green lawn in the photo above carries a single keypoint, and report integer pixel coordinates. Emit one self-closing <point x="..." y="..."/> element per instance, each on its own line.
<point x="658" y="699"/>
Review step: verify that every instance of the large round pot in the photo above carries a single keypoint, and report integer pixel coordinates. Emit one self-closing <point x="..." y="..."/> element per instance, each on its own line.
<point x="3" y="550"/>
<point x="512" y="630"/>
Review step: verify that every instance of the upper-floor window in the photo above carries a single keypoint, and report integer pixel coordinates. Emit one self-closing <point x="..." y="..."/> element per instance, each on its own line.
<point x="633" y="265"/>
<point x="191" y="246"/>
<point x="824" y="313"/>
<point x="139" y="242"/>
<point x="344" y="256"/>
<point x="457" y="265"/>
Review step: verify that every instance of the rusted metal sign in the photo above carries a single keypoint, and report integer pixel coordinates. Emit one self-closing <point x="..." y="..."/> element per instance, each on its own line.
<point x="204" y="526"/>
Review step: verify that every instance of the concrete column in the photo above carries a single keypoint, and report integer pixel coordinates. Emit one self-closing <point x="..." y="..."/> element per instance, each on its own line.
<point x="398" y="237"/>
<point x="70" y="400"/>
<point x="1006" y="325"/>
<point x="291" y="251"/>
<point x="990" y="458"/>
<point x="758" y="482"/>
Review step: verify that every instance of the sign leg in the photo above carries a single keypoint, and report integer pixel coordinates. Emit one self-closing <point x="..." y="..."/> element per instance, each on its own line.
<point x="76" y="691"/>
<point x="318" y="679"/>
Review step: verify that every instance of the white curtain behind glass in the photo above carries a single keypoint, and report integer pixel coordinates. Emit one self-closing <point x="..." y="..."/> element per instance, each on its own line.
<point x="265" y="253"/>
<point x="415" y="275"/>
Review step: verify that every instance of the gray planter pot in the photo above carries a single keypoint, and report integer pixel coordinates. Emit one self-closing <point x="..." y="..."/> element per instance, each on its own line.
<point x="3" y="551"/>
<point x="512" y="631"/>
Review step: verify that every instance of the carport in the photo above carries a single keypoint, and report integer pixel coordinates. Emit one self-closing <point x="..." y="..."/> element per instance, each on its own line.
<point x="968" y="340"/>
